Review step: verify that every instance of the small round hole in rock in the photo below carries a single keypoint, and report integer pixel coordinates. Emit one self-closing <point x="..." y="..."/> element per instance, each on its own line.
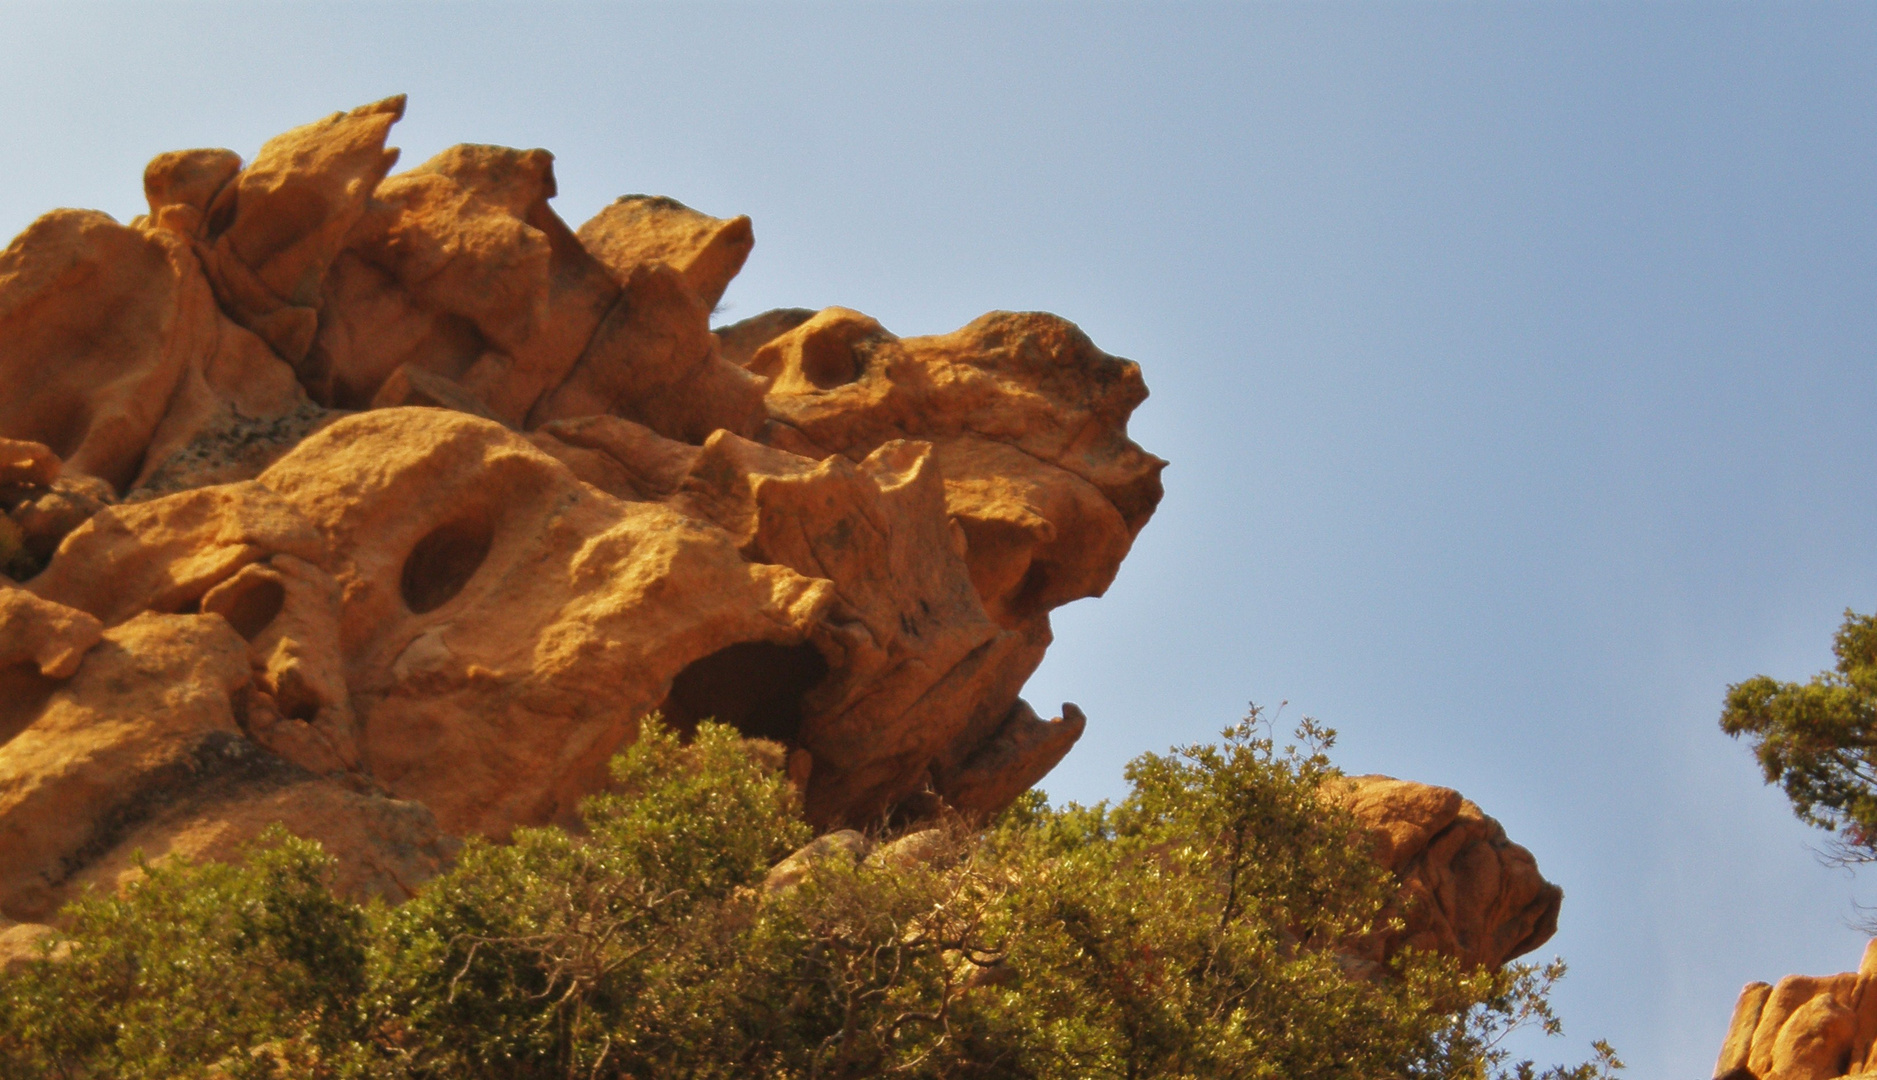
<point x="829" y="360"/>
<point x="443" y="562"/>
<point x="754" y="686"/>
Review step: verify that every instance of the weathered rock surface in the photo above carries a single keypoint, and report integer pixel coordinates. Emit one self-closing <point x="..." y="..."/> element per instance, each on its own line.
<point x="1466" y="890"/>
<point x="1804" y="1027"/>
<point x="388" y="505"/>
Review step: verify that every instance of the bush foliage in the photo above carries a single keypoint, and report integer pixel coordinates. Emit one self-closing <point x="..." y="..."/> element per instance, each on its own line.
<point x="1191" y="930"/>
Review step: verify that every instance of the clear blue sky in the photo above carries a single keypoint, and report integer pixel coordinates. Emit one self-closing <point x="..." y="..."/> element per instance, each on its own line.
<point x="1515" y="362"/>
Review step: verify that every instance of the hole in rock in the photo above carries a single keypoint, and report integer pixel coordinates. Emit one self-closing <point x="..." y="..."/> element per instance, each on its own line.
<point x="251" y="608"/>
<point x="443" y="562"/>
<point x="754" y="686"/>
<point x="829" y="360"/>
<point x="296" y="700"/>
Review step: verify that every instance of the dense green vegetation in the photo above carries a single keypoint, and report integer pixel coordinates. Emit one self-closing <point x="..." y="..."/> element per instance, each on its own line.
<point x="1189" y="931"/>
<point x="1818" y="739"/>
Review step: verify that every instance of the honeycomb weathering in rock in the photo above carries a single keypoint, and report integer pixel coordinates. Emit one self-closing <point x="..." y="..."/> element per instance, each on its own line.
<point x="388" y="505"/>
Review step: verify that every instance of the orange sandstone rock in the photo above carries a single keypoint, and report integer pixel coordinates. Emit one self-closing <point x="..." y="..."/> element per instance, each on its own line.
<point x="386" y="506"/>
<point x="1804" y="1028"/>
<point x="1467" y="890"/>
<point x="461" y="270"/>
<point x="151" y="706"/>
<point x="115" y="355"/>
<point x="93" y="339"/>
<point x="503" y="626"/>
<point x="274" y="228"/>
<point x="27" y="464"/>
<point x="638" y="230"/>
<point x="51" y="637"/>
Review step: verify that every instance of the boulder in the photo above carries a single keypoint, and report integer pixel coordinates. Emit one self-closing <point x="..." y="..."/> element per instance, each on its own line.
<point x="1466" y="890"/>
<point x="1815" y="1041"/>
<point x="843" y="847"/>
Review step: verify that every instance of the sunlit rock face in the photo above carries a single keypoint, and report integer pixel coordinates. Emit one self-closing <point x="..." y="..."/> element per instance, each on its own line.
<point x="386" y="505"/>
<point x="1804" y="1027"/>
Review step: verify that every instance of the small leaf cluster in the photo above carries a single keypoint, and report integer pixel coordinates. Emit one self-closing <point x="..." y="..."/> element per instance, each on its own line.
<point x="1207" y="926"/>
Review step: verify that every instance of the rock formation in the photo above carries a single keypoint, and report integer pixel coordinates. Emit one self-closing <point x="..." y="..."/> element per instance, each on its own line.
<point x="1805" y="1027"/>
<point x="388" y="505"/>
<point x="1466" y="890"/>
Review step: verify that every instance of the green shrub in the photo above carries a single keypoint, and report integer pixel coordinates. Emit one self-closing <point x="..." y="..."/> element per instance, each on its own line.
<point x="1192" y="930"/>
<point x="564" y="956"/>
<point x="196" y="966"/>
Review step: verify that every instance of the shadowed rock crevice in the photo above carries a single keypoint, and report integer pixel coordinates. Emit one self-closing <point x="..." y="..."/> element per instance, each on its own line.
<point x="23" y="695"/>
<point x="249" y="602"/>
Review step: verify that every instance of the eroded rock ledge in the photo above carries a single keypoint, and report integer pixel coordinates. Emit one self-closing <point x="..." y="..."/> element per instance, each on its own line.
<point x="388" y="505"/>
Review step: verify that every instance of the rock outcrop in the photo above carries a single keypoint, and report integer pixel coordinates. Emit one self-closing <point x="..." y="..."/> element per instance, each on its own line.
<point x="388" y="505"/>
<point x="1805" y="1027"/>
<point x="1466" y="890"/>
